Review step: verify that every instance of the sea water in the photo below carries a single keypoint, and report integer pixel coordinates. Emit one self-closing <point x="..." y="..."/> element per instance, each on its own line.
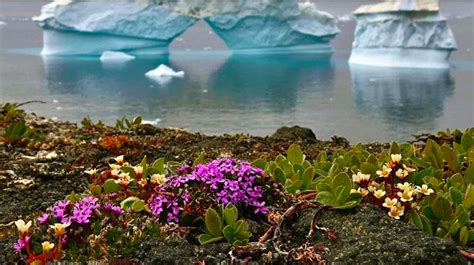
<point x="223" y="92"/>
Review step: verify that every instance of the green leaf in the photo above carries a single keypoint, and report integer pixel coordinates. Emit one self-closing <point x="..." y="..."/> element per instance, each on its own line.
<point x="456" y="196"/>
<point x="326" y="198"/>
<point x="394" y="149"/>
<point x="260" y="163"/>
<point x="469" y="197"/>
<point x="341" y="179"/>
<point x="372" y="160"/>
<point x="442" y="208"/>
<point x="467" y="141"/>
<point x="469" y="175"/>
<point x="213" y="222"/>
<point x="128" y="202"/>
<point x="463" y="236"/>
<point x="279" y="175"/>
<point x="368" y="168"/>
<point x="307" y="178"/>
<point x="416" y="220"/>
<point x="138" y="206"/>
<point x="347" y="205"/>
<point x="200" y="160"/>
<point x="230" y="214"/>
<point x="96" y="190"/>
<point x="228" y="232"/>
<point x="450" y="158"/>
<point x="427" y="227"/>
<point x="208" y="239"/>
<point x="111" y="186"/>
<point x="159" y="164"/>
<point x="295" y="155"/>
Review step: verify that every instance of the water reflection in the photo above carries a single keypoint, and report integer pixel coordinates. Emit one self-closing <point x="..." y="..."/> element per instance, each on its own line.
<point x="270" y="82"/>
<point x="404" y="99"/>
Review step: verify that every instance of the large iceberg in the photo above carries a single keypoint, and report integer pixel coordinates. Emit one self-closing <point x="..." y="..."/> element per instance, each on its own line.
<point x="92" y="27"/>
<point x="402" y="33"/>
<point x="265" y="25"/>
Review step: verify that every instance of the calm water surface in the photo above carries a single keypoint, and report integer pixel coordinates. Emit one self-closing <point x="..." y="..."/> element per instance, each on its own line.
<point x="225" y="93"/>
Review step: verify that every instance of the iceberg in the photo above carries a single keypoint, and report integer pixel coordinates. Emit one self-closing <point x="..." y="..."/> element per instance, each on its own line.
<point x="92" y="27"/>
<point x="163" y="74"/>
<point x="2" y="24"/>
<point x="113" y="57"/>
<point x="265" y="25"/>
<point x="402" y="33"/>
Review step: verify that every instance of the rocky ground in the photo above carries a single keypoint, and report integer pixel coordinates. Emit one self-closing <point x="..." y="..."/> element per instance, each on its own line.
<point x="34" y="176"/>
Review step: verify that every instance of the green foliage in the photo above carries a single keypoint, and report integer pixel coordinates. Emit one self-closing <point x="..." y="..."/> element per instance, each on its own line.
<point x="124" y="123"/>
<point x="224" y="224"/>
<point x="88" y="123"/>
<point x="293" y="171"/>
<point x="17" y="133"/>
<point x="336" y="192"/>
<point x="9" y="113"/>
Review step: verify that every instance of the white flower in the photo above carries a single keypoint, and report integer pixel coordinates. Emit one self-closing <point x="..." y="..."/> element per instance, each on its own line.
<point x="23" y="227"/>
<point x="401" y="174"/>
<point x="379" y="194"/>
<point x="119" y="159"/>
<point x="425" y="190"/>
<point x="390" y="202"/>
<point x="158" y="179"/>
<point x="138" y="170"/>
<point x="405" y="186"/>
<point x="396" y="211"/>
<point x="385" y="172"/>
<point x="406" y="195"/>
<point x="59" y="229"/>
<point x="396" y="158"/>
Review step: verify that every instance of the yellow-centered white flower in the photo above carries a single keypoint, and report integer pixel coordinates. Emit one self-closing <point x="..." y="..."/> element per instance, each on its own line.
<point x="385" y="172"/>
<point x="425" y="190"/>
<point x="405" y="186"/>
<point x="401" y="174"/>
<point x="359" y="178"/>
<point x="23" y="227"/>
<point x="138" y="170"/>
<point x="408" y="169"/>
<point x="405" y="196"/>
<point x="379" y="194"/>
<point x="390" y="202"/>
<point x="396" y="211"/>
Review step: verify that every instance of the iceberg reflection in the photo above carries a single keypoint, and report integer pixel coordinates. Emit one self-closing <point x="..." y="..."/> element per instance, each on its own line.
<point x="404" y="99"/>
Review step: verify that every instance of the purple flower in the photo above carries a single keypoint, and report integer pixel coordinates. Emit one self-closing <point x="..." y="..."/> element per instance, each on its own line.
<point x="43" y="219"/>
<point x="83" y="210"/>
<point x="114" y="209"/>
<point x="19" y="245"/>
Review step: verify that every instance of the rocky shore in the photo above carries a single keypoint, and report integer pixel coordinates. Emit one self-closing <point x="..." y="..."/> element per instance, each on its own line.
<point x="36" y="175"/>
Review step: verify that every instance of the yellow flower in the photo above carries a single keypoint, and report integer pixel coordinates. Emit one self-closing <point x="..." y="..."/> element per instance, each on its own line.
<point x="119" y="159"/>
<point x="115" y="172"/>
<point x="23" y="227"/>
<point x="124" y="179"/>
<point x="425" y="190"/>
<point x="59" y="229"/>
<point x="396" y="158"/>
<point x="396" y="211"/>
<point x="371" y="188"/>
<point x="404" y="186"/>
<point x="390" y="202"/>
<point x="158" y="179"/>
<point x="47" y="246"/>
<point x="406" y="195"/>
<point x="385" y="172"/>
<point x="402" y="174"/>
<point x="379" y="194"/>
<point x="91" y="172"/>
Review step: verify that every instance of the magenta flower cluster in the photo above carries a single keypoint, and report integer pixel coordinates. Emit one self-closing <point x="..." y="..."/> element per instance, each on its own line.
<point x="224" y="180"/>
<point x="21" y="244"/>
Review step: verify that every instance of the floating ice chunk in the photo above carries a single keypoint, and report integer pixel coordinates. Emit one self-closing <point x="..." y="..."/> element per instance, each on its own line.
<point x="164" y="71"/>
<point x="2" y="24"/>
<point x="153" y="122"/>
<point x="116" y="57"/>
<point x="163" y="74"/>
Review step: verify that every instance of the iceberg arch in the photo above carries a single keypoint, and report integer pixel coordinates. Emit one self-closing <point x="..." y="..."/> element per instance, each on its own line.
<point x="92" y="27"/>
<point x="402" y="33"/>
<point x="73" y="27"/>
